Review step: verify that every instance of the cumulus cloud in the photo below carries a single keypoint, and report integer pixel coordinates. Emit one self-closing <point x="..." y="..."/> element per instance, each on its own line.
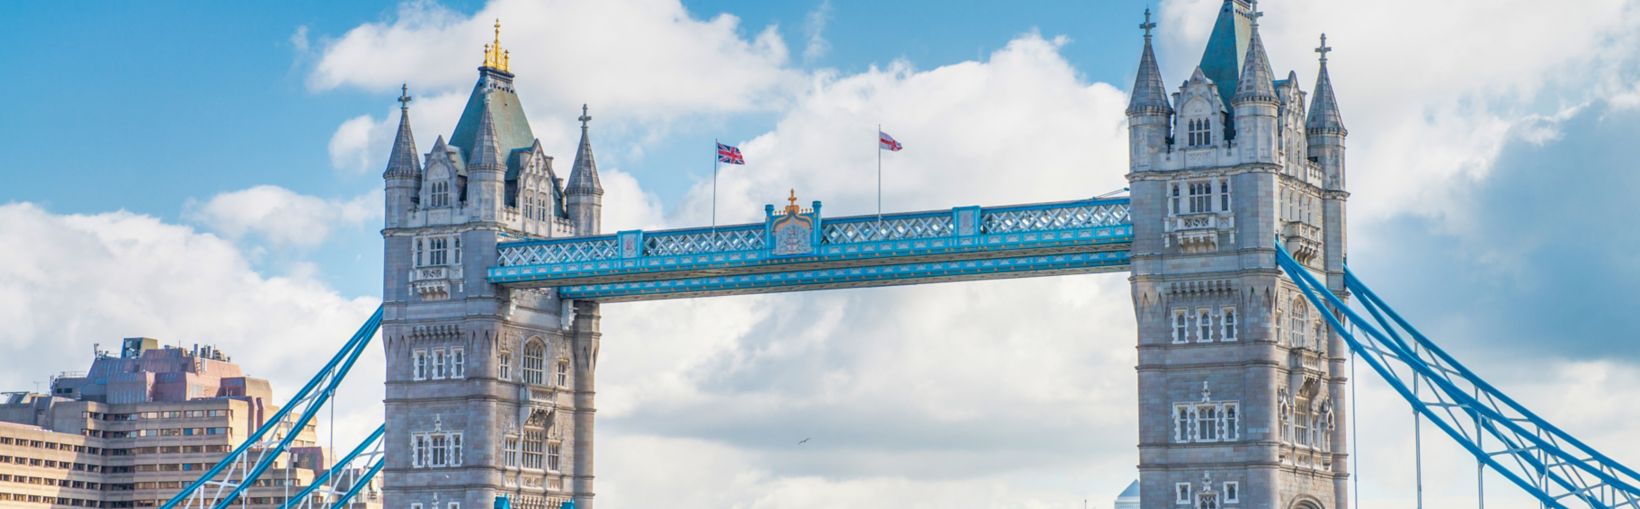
<point x="1430" y="107"/>
<point x="86" y="279"/>
<point x="640" y="64"/>
<point x="814" y="28"/>
<point x="282" y="217"/>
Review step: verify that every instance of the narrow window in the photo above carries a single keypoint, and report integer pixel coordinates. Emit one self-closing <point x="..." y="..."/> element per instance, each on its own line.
<point x="552" y="456"/>
<point x="1204" y="326"/>
<point x="455" y="241"/>
<point x="420" y="365"/>
<point x="1297" y="327"/>
<point x="1279" y="323"/>
<point x="1232" y="421"/>
<point x="455" y="449"/>
<point x="509" y="451"/>
<point x="1181" y="493"/>
<point x="418" y="450"/>
<point x="438" y="363"/>
<point x="563" y="373"/>
<point x="1227" y="320"/>
<point x="458" y="363"/>
<point x="439" y="450"/>
<point x="454" y="505"/>
<point x="438" y="251"/>
<point x="1232" y="492"/>
<point x="534" y="362"/>
<point x="503" y="365"/>
<point x="1181" y="423"/>
<point x="415" y="505"/>
<point x="1207" y="423"/>
<point x="421" y="254"/>
<point x="1173" y="204"/>
<point x="1180" y="328"/>
<point x="1224" y="195"/>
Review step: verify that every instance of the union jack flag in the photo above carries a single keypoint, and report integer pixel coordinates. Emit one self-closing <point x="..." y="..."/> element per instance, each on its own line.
<point x="886" y="141"/>
<point x="730" y="154"/>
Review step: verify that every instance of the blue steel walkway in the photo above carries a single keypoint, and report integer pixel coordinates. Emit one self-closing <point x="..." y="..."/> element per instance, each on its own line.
<point x="797" y="249"/>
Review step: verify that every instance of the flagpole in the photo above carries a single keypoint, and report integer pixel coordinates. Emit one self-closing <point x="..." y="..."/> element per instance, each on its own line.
<point x="715" y="163"/>
<point x="879" y="178"/>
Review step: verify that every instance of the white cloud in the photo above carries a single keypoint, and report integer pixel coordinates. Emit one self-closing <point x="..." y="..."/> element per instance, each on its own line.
<point x="814" y="27"/>
<point x="641" y="64"/>
<point x="282" y="217"/>
<point x="85" y="279"/>
<point x="1430" y="91"/>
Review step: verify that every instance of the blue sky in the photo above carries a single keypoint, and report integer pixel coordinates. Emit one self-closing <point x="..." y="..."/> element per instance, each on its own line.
<point x="1488" y="166"/>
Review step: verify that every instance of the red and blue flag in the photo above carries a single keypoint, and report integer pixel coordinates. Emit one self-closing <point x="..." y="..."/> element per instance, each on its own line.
<point x="730" y="154"/>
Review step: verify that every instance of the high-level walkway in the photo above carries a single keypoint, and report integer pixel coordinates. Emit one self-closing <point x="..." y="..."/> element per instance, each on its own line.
<point x="796" y="249"/>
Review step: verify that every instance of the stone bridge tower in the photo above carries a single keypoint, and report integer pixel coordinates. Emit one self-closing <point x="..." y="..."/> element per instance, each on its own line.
<point x="489" y="390"/>
<point x="1241" y="384"/>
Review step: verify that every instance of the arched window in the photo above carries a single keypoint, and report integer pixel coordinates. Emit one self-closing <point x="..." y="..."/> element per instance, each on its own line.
<point x="1300" y="324"/>
<point x="535" y="361"/>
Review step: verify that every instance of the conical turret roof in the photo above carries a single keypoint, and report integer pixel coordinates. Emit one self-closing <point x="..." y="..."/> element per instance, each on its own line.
<point x="583" y="175"/>
<point x="402" y="160"/>
<point x="1149" y="93"/>
<point x="1324" y="115"/>
<point x="1257" y="81"/>
<point x="486" y="152"/>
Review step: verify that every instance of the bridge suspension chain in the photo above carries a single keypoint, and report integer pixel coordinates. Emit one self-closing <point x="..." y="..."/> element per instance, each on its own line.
<point x="227" y="481"/>
<point x="1545" y="461"/>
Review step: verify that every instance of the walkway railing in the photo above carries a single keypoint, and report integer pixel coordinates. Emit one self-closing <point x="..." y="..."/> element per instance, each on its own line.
<point x="641" y="254"/>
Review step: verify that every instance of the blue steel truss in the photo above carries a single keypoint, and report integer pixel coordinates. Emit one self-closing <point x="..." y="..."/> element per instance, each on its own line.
<point x="1545" y="461"/>
<point x="917" y="247"/>
<point x="354" y="471"/>
<point x="225" y="482"/>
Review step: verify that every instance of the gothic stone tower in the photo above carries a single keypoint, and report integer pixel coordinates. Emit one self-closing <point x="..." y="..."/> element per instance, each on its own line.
<point x="1241" y="385"/>
<point x="489" y="390"/>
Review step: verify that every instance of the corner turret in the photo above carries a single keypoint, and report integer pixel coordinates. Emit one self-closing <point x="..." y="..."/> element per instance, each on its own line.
<point x="1255" y="103"/>
<point x="1149" y="114"/>
<point x="584" y="195"/>
<point x="403" y="174"/>
<point x="1325" y="126"/>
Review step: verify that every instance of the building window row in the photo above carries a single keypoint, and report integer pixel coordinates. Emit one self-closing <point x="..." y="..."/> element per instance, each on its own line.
<point x="1199" y="196"/>
<point x="1206" y="422"/>
<point x="59" y="501"/>
<point x="435" y="449"/>
<point x="1184" y="494"/>
<point x="438" y="251"/>
<point x="439" y="363"/>
<point x="1208" y="325"/>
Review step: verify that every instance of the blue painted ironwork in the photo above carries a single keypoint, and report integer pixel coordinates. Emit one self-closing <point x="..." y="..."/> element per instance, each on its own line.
<point x="854" y="277"/>
<point x="1545" y="461"/>
<point x="802" y="241"/>
<point x="238" y="469"/>
<point x="370" y="451"/>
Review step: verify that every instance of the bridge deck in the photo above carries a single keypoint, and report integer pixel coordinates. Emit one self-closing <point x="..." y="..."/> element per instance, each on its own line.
<point x="799" y="250"/>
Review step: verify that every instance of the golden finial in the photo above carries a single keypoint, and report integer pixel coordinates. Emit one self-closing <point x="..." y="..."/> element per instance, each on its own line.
<point x="495" y="57"/>
<point x="791" y="203"/>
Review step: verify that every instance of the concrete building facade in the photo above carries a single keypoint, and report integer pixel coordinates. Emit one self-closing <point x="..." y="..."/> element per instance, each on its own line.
<point x="137" y="427"/>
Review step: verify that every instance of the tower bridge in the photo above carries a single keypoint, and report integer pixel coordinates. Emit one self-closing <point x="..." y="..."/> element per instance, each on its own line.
<point x="1234" y="234"/>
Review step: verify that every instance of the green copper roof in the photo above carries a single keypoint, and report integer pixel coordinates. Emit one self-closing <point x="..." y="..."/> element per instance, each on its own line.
<point x="1227" y="49"/>
<point x="512" y="130"/>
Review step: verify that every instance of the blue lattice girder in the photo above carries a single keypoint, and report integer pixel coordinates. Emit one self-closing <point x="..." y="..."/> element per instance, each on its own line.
<point x="963" y="233"/>
<point x="853" y="277"/>
<point x="1543" y="460"/>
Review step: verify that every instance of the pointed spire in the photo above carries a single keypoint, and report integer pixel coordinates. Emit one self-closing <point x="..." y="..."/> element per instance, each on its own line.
<point x="1324" y="116"/>
<point x="583" y="175"/>
<point x="1257" y="82"/>
<point x="486" y="151"/>
<point x="1149" y="94"/>
<point x="402" y="160"/>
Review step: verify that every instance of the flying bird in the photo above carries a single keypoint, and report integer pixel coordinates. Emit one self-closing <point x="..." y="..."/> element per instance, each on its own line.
<point x="803" y="441"/>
